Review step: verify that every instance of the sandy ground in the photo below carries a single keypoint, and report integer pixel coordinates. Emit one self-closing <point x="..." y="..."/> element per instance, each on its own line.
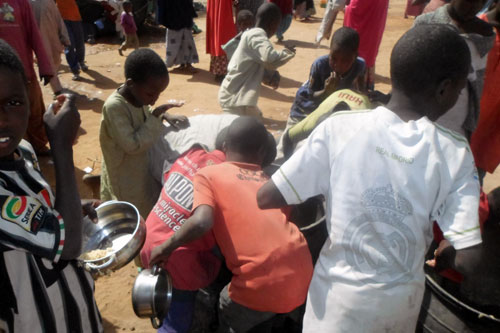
<point x="113" y="293"/>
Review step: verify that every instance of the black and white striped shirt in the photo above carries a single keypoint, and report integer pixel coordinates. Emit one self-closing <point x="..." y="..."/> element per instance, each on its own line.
<point x="40" y="293"/>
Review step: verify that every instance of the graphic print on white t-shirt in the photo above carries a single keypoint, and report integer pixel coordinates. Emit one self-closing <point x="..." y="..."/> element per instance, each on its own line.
<point x="378" y="245"/>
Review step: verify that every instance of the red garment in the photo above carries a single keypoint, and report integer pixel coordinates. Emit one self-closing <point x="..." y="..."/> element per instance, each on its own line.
<point x="484" y="211"/>
<point x="368" y="19"/>
<point x="268" y="256"/>
<point x="19" y="29"/>
<point x="413" y="10"/>
<point x="192" y="266"/>
<point x="220" y="25"/>
<point x="286" y="6"/>
<point x="485" y="141"/>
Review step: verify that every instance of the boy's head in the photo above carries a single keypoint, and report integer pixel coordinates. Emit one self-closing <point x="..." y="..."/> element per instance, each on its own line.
<point x="245" y="20"/>
<point x="343" y="50"/>
<point x="268" y="18"/>
<point x="14" y="102"/>
<point x="466" y="10"/>
<point x="146" y="75"/>
<point x="127" y="6"/>
<point x="247" y="140"/>
<point x="429" y="66"/>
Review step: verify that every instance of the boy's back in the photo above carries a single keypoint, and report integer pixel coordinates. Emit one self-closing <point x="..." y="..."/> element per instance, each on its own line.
<point x="386" y="179"/>
<point x="267" y="254"/>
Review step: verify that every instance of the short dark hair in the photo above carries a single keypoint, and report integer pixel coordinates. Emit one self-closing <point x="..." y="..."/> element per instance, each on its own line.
<point x="267" y="14"/>
<point x="425" y="56"/>
<point x="9" y="59"/>
<point x="246" y="135"/>
<point x="143" y="64"/>
<point x="244" y="15"/>
<point x="345" y="38"/>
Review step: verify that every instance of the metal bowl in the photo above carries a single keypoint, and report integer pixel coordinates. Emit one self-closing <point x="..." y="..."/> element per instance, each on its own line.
<point x="119" y="227"/>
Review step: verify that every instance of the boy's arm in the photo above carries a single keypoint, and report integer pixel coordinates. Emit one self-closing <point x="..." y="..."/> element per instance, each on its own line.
<point x="200" y="222"/>
<point x="304" y="175"/>
<point x="193" y="228"/>
<point x="265" y="52"/>
<point x="36" y="43"/>
<point x="129" y="139"/>
<point x="62" y="122"/>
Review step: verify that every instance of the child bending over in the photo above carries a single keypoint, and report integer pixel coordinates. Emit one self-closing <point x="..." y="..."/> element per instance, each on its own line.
<point x="386" y="175"/>
<point x="240" y="89"/>
<point x="267" y="254"/>
<point x="129" y="127"/>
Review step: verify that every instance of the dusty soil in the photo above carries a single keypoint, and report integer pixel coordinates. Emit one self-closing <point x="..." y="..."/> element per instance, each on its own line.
<point x="113" y="293"/>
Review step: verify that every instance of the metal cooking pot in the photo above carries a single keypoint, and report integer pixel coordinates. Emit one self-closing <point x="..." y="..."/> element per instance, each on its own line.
<point x="152" y="294"/>
<point x="119" y="227"/>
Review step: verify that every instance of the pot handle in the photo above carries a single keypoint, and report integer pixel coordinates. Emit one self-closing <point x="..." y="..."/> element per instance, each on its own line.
<point x="108" y="263"/>
<point x="156" y="322"/>
<point x="156" y="269"/>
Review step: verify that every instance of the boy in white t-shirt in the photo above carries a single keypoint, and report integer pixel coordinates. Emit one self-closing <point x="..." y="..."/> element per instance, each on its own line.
<point x="386" y="174"/>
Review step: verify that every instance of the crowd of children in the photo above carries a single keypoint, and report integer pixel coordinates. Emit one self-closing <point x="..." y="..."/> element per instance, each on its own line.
<point x="386" y="171"/>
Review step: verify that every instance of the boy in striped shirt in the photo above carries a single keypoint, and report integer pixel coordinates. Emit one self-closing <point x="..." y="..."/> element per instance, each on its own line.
<point x="43" y="287"/>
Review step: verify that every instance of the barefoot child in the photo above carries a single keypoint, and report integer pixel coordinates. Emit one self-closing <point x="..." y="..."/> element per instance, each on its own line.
<point x="129" y="127"/>
<point x="386" y="175"/>
<point x="129" y="28"/>
<point x="240" y="90"/>
<point x="40" y="236"/>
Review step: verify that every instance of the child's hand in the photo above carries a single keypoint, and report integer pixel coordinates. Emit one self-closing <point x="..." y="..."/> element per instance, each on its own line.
<point x="172" y="103"/>
<point x="331" y="82"/>
<point x="46" y="79"/>
<point x="88" y="208"/>
<point x="176" y="121"/>
<point x="62" y="121"/>
<point x="290" y="47"/>
<point x="160" y="254"/>
<point x="275" y="80"/>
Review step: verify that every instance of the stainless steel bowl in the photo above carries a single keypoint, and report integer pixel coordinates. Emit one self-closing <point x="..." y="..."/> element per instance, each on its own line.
<point x="152" y="294"/>
<point x="119" y="227"/>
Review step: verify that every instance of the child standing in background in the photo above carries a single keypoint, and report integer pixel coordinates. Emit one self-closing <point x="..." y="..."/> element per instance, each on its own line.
<point x="129" y="127"/>
<point x="333" y="7"/>
<point x="240" y="89"/>
<point x="19" y="29"/>
<point x="177" y="16"/>
<point x="54" y="34"/>
<point x="129" y="28"/>
<point x="286" y="7"/>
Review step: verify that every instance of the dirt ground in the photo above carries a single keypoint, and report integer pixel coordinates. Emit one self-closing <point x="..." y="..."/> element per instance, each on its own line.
<point x="113" y="293"/>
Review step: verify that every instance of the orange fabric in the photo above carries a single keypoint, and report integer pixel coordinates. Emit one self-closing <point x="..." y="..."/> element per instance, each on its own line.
<point x="267" y="255"/>
<point x="485" y="141"/>
<point x="69" y="10"/>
